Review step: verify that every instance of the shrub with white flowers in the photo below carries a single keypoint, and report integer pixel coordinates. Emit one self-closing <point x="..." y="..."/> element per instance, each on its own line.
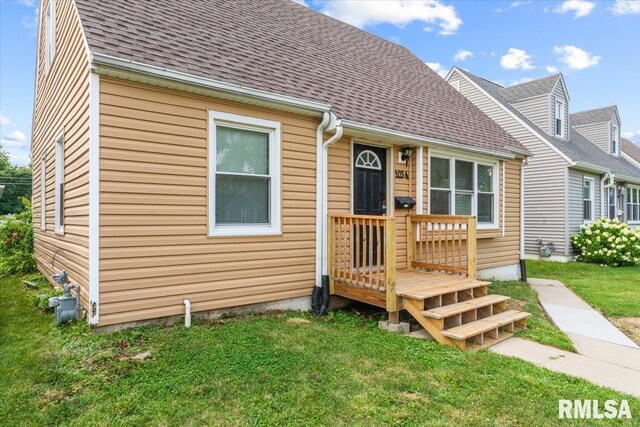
<point x="607" y="242"/>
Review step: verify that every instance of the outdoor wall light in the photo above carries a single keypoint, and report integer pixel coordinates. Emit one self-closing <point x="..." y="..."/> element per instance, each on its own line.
<point x="407" y="152"/>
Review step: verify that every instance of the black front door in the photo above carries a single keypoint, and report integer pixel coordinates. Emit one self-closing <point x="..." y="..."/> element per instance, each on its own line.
<point x="369" y="180"/>
<point x="369" y="198"/>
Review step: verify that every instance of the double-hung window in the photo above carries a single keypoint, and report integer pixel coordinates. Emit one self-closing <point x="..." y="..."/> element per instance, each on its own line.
<point x="615" y="142"/>
<point x="49" y="34"/>
<point x="59" y="188"/>
<point x="463" y="187"/>
<point x="633" y="204"/>
<point x="587" y="199"/>
<point x="244" y="175"/>
<point x="612" y="208"/>
<point x="559" y="118"/>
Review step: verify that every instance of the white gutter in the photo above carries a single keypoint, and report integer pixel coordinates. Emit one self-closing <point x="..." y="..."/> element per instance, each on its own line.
<point x="103" y="63"/>
<point x="523" y="164"/>
<point x="413" y="138"/>
<point x="325" y="191"/>
<point x="589" y="167"/>
<point x="629" y="179"/>
<point x="320" y="195"/>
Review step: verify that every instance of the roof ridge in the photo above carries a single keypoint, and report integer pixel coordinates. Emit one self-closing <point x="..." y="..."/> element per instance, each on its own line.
<point x="595" y="109"/>
<point x="477" y="76"/>
<point x="557" y="76"/>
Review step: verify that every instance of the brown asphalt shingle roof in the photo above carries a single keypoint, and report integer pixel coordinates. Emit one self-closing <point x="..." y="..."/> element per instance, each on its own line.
<point x="530" y="89"/>
<point x="598" y="115"/>
<point x="630" y="149"/>
<point x="285" y="48"/>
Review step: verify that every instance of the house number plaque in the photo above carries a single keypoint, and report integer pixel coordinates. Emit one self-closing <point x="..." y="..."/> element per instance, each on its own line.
<point x="400" y="174"/>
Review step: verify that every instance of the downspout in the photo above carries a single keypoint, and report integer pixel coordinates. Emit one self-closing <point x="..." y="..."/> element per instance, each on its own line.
<point x="523" y="265"/>
<point x="318" y="299"/>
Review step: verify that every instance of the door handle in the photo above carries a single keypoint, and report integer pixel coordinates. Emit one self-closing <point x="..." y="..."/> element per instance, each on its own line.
<point x="384" y="209"/>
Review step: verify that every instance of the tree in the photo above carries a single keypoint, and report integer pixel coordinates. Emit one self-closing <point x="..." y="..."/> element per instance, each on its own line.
<point x="17" y="184"/>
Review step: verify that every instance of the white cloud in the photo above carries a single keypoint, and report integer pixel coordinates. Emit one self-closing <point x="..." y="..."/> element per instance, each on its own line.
<point x="28" y="3"/>
<point x="362" y="13"/>
<point x="462" y="55"/>
<point x="16" y="135"/>
<point x="4" y="120"/>
<point x="575" y="57"/>
<point x="438" y="68"/>
<point x="20" y="159"/>
<point x="516" y="59"/>
<point x="551" y="69"/>
<point x="15" y="139"/>
<point x="579" y="7"/>
<point x="626" y="7"/>
<point x="30" y="22"/>
<point x="513" y="5"/>
<point x="520" y="81"/>
<point x="633" y="136"/>
<point x="302" y="2"/>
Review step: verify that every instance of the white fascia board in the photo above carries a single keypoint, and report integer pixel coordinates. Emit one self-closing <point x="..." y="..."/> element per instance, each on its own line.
<point x="629" y="159"/>
<point x="589" y="167"/>
<point x="410" y="138"/>
<point x="625" y="178"/>
<point x="564" y="87"/>
<point x="513" y="116"/>
<point x="117" y="67"/>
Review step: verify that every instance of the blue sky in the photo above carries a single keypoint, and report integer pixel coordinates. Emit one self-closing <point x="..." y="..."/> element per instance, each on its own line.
<point x="595" y="44"/>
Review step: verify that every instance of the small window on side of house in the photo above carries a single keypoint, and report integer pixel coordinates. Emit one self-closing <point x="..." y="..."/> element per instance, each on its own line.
<point x="49" y="34"/>
<point x="559" y="119"/>
<point x="587" y="199"/>
<point x="59" y="188"/>
<point x="43" y="194"/>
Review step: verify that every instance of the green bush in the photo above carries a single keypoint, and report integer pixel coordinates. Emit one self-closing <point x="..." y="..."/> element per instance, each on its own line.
<point x="607" y="242"/>
<point x="16" y="242"/>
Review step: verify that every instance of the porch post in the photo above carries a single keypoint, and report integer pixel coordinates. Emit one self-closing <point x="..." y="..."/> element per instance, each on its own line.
<point x="471" y="248"/>
<point x="390" y="263"/>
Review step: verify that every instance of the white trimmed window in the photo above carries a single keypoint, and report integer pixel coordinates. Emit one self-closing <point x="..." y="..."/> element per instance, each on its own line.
<point x="587" y="199"/>
<point x="559" y="118"/>
<point x="633" y="204"/>
<point x="49" y="34"/>
<point x="615" y="141"/>
<point x="244" y="176"/>
<point x="43" y="194"/>
<point x="464" y="187"/>
<point x="612" y="208"/>
<point x="59" y="188"/>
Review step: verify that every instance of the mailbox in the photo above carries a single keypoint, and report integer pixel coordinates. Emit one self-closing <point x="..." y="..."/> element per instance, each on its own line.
<point x="404" y="202"/>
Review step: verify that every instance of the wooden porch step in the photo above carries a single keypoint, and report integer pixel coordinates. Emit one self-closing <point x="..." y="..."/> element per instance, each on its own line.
<point x="462" y="284"/>
<point x="461" y="307"/>
<point x="478" y="327"/>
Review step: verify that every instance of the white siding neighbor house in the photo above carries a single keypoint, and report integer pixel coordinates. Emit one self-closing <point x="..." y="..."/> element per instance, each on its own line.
<point x="579" y="170"/>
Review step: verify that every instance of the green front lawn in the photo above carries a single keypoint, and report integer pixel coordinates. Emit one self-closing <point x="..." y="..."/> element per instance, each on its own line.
<point x="615" y="291"/>
<point x="287" y="369"/>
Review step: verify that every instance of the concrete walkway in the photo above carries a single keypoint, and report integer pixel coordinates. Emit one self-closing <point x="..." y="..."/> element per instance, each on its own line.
<point x="574" y="316"/>
<point x="604" y="373"/>
<point x="605" y="356"/>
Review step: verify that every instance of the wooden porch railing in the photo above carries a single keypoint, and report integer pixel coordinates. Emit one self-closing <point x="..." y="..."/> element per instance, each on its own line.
<point x="362" y="252"/>
<point x="442" y="242"/>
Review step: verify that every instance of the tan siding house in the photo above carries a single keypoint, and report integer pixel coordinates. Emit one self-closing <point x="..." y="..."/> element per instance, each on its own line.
<point x="188" y="180"/>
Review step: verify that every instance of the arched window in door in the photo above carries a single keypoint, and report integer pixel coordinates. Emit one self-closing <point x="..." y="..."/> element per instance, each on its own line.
<point x="368" y="160"/>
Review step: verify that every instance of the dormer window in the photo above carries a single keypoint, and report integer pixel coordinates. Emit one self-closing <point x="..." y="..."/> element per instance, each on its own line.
<point x="615" y="140"/>
<point x="559" y="119"/>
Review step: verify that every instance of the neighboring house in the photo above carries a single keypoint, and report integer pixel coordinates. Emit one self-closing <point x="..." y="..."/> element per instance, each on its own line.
<point x="151" y="116"/>
<point x="630" y="151"/>
<point x="576" y="173"/>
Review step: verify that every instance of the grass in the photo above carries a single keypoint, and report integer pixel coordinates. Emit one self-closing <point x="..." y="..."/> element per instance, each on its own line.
<point x="539" y="328"/>
<point x="286" y="369"/>
<point x="615" y="291"/>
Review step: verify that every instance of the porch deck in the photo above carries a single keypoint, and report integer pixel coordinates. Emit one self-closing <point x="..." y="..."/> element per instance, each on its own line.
<point x="438" y="288"/>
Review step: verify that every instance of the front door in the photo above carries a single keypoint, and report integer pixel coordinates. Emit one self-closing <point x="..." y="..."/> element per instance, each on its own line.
<point x="369" y="198"/>
<point x="369" y="180"/>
